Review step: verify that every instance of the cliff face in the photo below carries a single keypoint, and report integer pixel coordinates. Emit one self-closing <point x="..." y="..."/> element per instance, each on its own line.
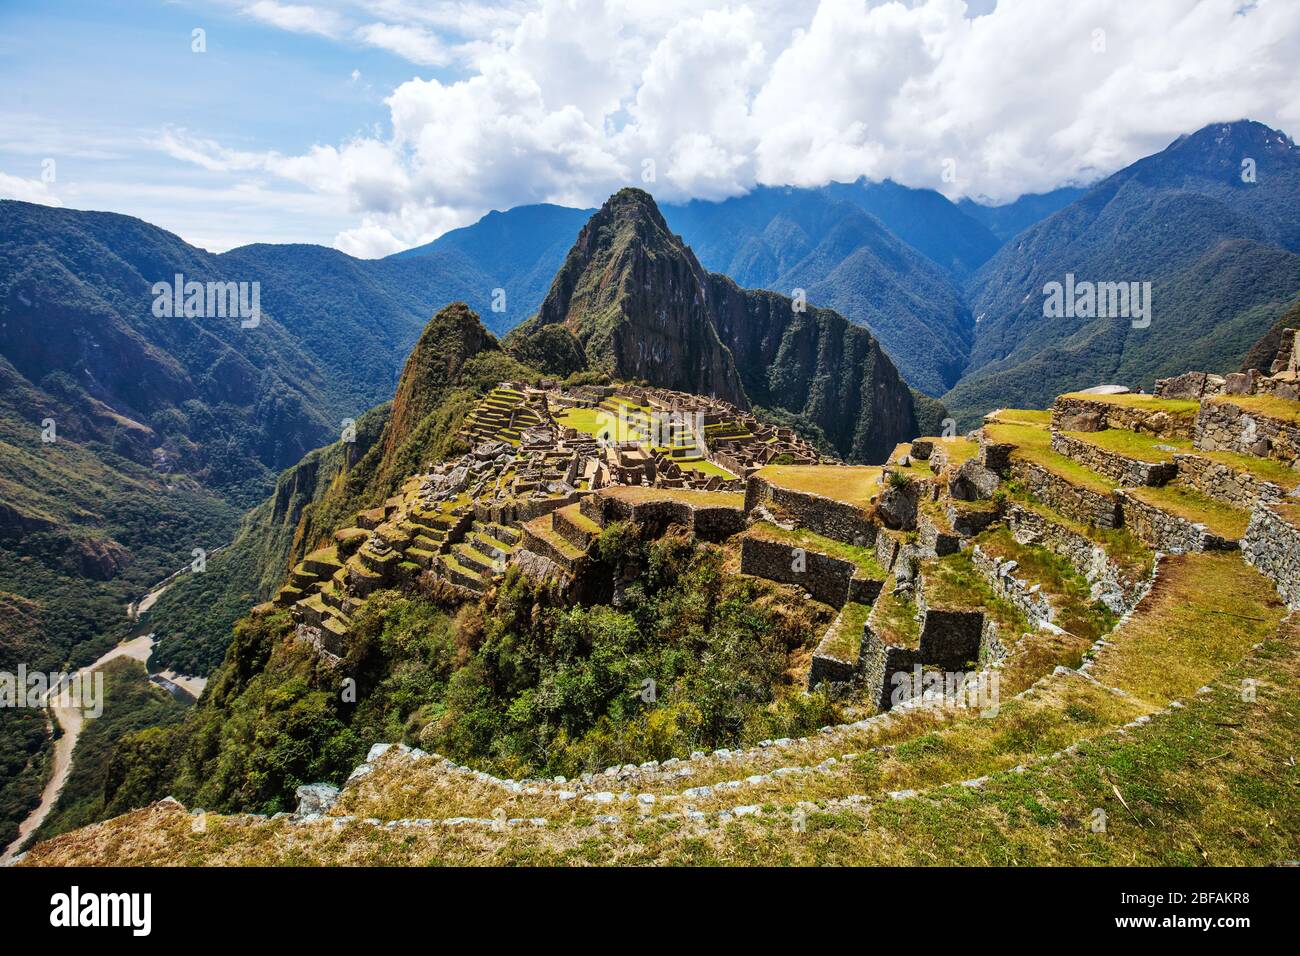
<point x="633" y="296"/>
<point x="639" y="306"/>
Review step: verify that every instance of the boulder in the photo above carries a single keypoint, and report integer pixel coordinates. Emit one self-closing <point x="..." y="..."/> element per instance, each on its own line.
<point x="973" y="482"/>
<point x="316" y="798"/>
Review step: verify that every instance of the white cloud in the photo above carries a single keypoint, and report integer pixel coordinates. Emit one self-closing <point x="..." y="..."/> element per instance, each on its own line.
<point x="297" y="18"/>
<point x="412" y="43"/>
<point x="28" y="190"/>
<point x="564" y="101"/>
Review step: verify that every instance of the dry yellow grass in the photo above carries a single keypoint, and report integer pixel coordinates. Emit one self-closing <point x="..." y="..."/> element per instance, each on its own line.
<point x="855" y="485"/>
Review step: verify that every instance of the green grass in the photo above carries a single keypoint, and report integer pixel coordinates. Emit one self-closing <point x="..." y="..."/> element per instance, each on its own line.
<point x="636" y="494"/>
<point x="894" y="617"/>
<point x="1068" y="591"/>
<point x="1134" y="445"/>
<point x="845" y="639"/>
<point x="707" y="468"/>
<point x="1120" y="544"/>
<point x="1034" y="444"/>
<point x="1268" y="406"/>
<point x="953" y="582"/>
<point x="1022" y="416"/>
<point x="863" y="557"/>
<point x="852" y="484"/>
<point x="1219" y="517"/>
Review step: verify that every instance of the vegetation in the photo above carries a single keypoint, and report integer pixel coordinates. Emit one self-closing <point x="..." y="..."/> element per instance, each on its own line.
<point x="853" y="484"/>
<point x="1186" y="502"/>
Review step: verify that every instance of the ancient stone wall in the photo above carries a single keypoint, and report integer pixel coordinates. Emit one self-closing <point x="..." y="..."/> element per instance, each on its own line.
<point x="826" y="578"/>
<point x="832" y="519"/>
<point x="1223" y="426"/>
<point x="1272" y="544"/>
<point x="1167" y="532"/>
<point x="1120" y="592"/>
<point x="1217" y="480"/>
<point x="1126" y="471"/>
<point x="1000" y="575"/>
<point x="1076" y="503"/>
<point x="1091" y="415"/>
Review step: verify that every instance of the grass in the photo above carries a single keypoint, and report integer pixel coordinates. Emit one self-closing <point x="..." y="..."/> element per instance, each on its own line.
<point x="1040" y="418"/>
<point x="1134" y="444"/>
<point x="1068" y="591"/>
<point x="707" y="468"/>
<point x="916" y="467"/>
<point x="1120" y="544"/>
<point x="601" y="424"/>
<point x="1219" y="517"/>
<point x="1204" y="612"/>
<point x="636" y="494"/>
<point x="1178" y="407"/>
<point x="855" y="485"/>
<point x="863" y="557"/>
<point x="845" y="638"/>
<point x="1034" y="444"/>
<point x="894" y="617"/>
<point x="1268" y="406"/>
<point x="953" y="582"/>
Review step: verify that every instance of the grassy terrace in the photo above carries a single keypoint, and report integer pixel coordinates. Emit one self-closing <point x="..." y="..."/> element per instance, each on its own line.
<point x="864" y="558"/>
<point x="959" y="450"/>
<point x="1135" y="445"/>
<point x="635" y="494"/>
<point x="916" y="467"/>
<point x="1022" y="416"/>
<point x="1220" y="518"/>
<point x="1034" y="444"/>
<point x="852" y="484"/>
<point x="1266" y="406"/>
<point x="1265" y="469"/>
<point x="602" y="424"/>
<point x="1288" y="513"/>
<point x="1067" y="589"/>
<point x="1204" y="612"/>
<point x="1120" y="544"/>
<point x="707" y="468"/>
<point x="1182" y="407"/>
<point x="953" y="582"/>
<point x="893" y="617"/>
<point x="845" y="638"/>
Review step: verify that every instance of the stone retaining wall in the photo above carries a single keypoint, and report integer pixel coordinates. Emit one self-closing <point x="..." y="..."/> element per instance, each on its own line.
<point x="1217" y="480"/>
<point x="1110" y="585"/>
<point x="877" y="663"/>
<point x="1028" y="598"/>
<point x="1166" y="532"/>
<point x="824" y="516"/>
<point x="1075" y="503"/>
<point x="826" y="578"/>
<point x="1092" y="415"/>
<point x="1272" y="544"/>
<point x="1120" y="468"/>
<point x="710" y="522"/>
<point x="1223" y="426"/>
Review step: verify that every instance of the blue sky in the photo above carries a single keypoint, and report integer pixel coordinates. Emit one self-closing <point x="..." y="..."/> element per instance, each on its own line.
<point x="374" y="125"/>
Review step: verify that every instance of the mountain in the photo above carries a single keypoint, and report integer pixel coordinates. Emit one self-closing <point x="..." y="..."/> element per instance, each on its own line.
<point x="845" y="259"/>
<point x="1212" y="222"/>
<point x="1010" y="219"/>
<point x="452" y="364"/>
<point x="518" y="251"/>
<point x="638" y="305"/>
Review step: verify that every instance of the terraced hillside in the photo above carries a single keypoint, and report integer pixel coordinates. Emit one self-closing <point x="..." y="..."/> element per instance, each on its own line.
<point x="1067" y="637"/>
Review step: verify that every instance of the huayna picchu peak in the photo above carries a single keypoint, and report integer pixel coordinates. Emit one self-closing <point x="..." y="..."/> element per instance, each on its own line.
<point x="640" y="308"/>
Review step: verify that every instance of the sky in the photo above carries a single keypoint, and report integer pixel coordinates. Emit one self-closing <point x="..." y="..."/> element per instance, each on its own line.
<point x="376" y="125"/>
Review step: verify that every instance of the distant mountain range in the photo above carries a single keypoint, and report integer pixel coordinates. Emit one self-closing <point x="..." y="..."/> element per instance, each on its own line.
<point x="1212" y="222"/>
<point x="184" y="424"/>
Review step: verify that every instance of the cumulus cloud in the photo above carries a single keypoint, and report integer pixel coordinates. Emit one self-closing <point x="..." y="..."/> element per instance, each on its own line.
<point x="566" y="100"/>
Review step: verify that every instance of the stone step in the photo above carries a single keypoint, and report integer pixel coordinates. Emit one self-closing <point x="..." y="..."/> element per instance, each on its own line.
<point x="471" y="558"/>
<point x="540" y="538"/>
<point x="503" y="533"/>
